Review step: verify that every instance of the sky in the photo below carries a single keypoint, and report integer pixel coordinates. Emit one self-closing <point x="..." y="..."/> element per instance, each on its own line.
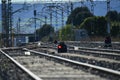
<point x="21" y="1"/>
<point x="99" y="9"/>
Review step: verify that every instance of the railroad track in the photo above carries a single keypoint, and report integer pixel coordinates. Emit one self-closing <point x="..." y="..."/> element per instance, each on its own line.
<point x="103" y="53"/>
<point x="106" y="53"/>
<point x="10" y="69"/>
<point x="96" y="57"/>
<point x="98" y="44"/>
<point x="100" y="52"/>
<point x="50" y="67"/>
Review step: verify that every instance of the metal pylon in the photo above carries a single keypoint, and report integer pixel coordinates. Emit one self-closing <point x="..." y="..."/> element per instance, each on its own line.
<point x="6" y="23"/>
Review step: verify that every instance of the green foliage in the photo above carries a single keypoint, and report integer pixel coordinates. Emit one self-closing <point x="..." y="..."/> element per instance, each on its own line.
<point x="114" y="18"/>
<point x="78" y="15"/>
<point x="96" y="26"/>
<point x="45" y="30"/>
<point x="66" y="33"/>
<point x="115" y="30"/>
<point x="118" y="16"/>
<point x="113" y="15"/>
<point x="47" y="38"/>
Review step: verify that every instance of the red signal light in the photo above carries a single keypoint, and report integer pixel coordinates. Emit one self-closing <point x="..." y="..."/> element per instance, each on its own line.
<point x="59" y="46"/>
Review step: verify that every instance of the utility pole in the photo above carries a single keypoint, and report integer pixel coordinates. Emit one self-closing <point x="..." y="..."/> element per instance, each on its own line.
<point x="71" y="6"/>
<point x="82" y="3"/>
<point x="62" y="18"/>
<point x="3" y="7"/>
<point x="45" y="19"/>
<point x="72" y="24"/>
<point x="35" y="22"/>
<point x="9" y="9"/>
<point x="18" y="31"/>
<point x="6" y="23"/>
<point x="108" y="24"/>
<point x="34" y="13"/>
<point x="108" y="38"/>
<point x="71" y="11"/>
<point x="7" y="14"/>
<point x="51" y="14"/>
<point x="92" y="6"/>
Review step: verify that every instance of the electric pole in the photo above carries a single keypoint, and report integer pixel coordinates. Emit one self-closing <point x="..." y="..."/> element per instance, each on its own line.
<point x="11" y="40"/>
<point x="35" y="24"/>
<point x="6" y="23"/>
<point x="92" y="6"/>
<point x="4" y="16"/>
<point x="108" y="24"/>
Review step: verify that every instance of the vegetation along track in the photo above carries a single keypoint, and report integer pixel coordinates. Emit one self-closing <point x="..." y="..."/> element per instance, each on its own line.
<point x="50" y="67"/>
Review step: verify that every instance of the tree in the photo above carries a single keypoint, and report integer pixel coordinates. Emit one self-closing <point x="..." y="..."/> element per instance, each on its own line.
<point x="112" y="15"/>
<point x="115" y="30"/>
<point x="66" y="33"/>
<point x="118" y="16"/>
<point x="78" y="15"/>
<point x="114" y="18"/>
<point x="95" y="26"/>
<point x="45" y="30"/>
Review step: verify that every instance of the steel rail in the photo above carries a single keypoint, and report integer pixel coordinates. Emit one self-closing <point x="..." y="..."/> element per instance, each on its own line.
<point x="22" y="67"/>
<point x="83" y="49"/>
<point x="117" y="73"/>
<point x="103" y="51"/>
<point x="96" y="49"/>
<point x="100" y="53"/>
<point x="11" y="48"/>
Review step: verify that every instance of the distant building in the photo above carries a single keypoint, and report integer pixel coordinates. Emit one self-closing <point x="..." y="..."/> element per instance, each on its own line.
<point x="20" y="40"/>
<point x="80" y="34"/>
